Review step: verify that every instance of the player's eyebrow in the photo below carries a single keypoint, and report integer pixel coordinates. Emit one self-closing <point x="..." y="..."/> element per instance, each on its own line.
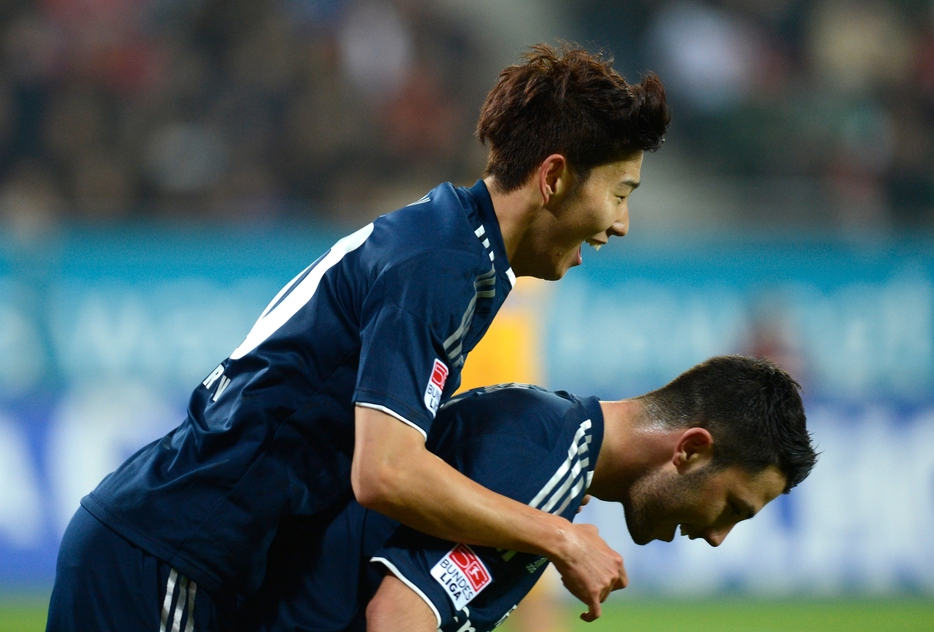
<point x="633" y="184"/>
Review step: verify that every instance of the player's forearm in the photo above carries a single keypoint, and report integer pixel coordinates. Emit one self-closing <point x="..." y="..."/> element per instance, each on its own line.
<point x="430" y="496"/>
<point x="394" y="474"/>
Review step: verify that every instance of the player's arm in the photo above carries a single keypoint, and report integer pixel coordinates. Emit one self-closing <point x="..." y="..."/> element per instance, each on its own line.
<point x="396" y="608"/>
<point x="395" y="474"/>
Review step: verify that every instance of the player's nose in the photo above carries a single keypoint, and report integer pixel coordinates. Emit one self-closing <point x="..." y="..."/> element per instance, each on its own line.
<point x="715" y="537"/>
<point x="618" y="229"/>
<point x="621" y="225"/>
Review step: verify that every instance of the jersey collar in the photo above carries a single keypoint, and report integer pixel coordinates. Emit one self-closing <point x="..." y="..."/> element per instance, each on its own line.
<point x="491" y="231"/>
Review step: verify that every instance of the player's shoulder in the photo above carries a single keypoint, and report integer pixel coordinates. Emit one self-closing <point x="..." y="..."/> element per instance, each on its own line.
<point x="516" y="409"/>
<point x="444" y="241"/>
<point x="440" y="220"/>
<point x="513" y="394"/>
<point x="509" y="394"/>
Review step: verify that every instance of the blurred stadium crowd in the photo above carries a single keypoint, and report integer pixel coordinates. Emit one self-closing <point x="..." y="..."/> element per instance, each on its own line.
<point x="246" y="110"/>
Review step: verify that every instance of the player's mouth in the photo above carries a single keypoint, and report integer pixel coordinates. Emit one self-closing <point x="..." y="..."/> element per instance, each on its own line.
<point x="674" y="532"/>
<point x="593" y="243"/>
<point x="687" y="532"/>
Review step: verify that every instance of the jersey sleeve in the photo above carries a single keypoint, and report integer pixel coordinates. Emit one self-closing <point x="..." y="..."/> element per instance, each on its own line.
<point x="462" y="585"/>
<point x="410" y="331"/>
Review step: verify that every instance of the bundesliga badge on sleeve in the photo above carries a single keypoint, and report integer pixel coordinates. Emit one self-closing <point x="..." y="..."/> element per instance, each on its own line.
<point x="462" y="574"/>
<point x="439" y="375"/>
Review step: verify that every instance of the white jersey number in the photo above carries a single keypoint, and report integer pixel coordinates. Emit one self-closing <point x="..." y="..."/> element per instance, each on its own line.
<point x="280" y="310"/>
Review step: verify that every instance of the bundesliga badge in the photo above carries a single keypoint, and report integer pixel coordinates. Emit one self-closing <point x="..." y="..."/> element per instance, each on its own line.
<point x="462" y="575"/>
<point x="439" y="375"/>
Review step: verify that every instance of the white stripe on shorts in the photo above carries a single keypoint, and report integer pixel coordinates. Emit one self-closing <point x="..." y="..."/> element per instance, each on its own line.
<point x="192" y="589"/>
<point x="167" y="603"/>
<point x="185" y="605"/>
<point x="180" y="605"/>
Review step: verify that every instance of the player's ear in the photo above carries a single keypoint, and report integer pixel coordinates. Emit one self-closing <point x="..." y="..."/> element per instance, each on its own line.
<point x="554" y="178"/>
<point x="693" y="450"/>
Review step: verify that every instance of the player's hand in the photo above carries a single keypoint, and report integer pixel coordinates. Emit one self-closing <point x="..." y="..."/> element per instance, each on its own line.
<point x="589" y="568"/>
<point x="584" y="501"/>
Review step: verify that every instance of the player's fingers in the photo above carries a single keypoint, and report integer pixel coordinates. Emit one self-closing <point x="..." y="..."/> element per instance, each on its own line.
<point x="622" y="580"/>
<point x="606" y="590"/>
<point x="593" y="613"/>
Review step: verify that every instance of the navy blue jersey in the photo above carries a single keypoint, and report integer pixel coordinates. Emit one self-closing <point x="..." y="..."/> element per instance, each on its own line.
<point x="532" y="445"/>
<point x="384" y="319"/>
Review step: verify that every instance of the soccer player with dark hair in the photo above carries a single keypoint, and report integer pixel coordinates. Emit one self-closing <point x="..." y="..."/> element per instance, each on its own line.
<point x="333" y="392"/>
<point x="559" y="140"/>
<point x="704" y="452"/>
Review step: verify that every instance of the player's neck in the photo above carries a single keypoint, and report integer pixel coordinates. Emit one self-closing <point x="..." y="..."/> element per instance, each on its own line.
<point x="630" y="448"/>
<point x="515" y="212"/>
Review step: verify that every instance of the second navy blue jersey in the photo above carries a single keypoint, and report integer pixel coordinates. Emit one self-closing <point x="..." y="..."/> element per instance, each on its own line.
<point x="532" y="445"/>
<point x="383" y="319"/>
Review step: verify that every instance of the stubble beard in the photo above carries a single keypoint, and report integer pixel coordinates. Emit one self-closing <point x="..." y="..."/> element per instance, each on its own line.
<point x="654" y="502"/>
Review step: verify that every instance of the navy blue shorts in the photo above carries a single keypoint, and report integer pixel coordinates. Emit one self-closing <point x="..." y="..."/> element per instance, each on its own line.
<point x="103" y="583"/>
<point x="320" y="578"/>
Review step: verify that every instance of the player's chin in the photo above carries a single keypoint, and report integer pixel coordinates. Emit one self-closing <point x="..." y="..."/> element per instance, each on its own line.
<point x="666" y="535"/>
<point x="566" y="264"/>
<point x="642" y="536"/>
<point x="546" y="270"/>
<point x="557" y="273"/>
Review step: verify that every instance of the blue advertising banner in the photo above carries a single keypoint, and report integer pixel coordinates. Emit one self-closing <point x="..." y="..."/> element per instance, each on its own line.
<point x="849" y="320"/>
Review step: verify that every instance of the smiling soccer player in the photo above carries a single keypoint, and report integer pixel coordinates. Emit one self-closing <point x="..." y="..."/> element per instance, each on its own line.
<point x="332" y="393"/>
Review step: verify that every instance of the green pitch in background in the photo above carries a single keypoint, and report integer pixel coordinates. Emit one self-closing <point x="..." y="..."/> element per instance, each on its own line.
<point x="27" y="614"/>
<point x="729" y="615"/>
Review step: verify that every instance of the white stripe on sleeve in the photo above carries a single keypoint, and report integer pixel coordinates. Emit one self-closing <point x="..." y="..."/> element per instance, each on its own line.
<point x="563" y="469"/>
<point x="393" y="413"/>
<point x="569" y="479"/>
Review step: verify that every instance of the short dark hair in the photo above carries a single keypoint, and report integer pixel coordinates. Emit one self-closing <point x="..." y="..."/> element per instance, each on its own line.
<point x="752" y="409"/>
<point x="570" y="102"/>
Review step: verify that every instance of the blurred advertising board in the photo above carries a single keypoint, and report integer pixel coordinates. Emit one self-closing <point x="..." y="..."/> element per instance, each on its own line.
<point x="103" y="334"/>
